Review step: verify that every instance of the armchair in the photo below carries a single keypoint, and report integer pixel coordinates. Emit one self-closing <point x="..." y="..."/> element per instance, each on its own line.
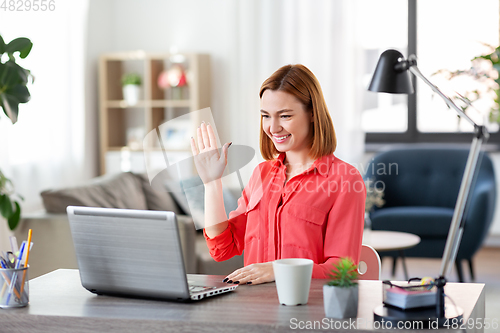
<point x="421" y="186"/>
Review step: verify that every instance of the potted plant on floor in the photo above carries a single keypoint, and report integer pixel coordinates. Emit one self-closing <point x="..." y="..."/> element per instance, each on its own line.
<point x="340" y="295"/>
<point x="13" y="91"/>
<point x="131" y="83"/>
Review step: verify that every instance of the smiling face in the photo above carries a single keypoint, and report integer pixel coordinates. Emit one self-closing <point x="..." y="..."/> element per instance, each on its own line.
<point x="286" y="121"/>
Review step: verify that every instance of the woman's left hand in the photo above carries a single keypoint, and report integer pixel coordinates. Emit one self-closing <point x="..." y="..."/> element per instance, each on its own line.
<point x="252" y="274"/>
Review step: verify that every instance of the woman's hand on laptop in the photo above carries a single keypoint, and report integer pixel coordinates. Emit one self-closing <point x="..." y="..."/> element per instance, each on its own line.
<point x="252" y="274"/>
<point x="209" y="163"/>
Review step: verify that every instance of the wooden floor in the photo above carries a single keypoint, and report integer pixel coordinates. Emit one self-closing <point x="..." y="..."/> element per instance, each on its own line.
<point x="486" y="268"/>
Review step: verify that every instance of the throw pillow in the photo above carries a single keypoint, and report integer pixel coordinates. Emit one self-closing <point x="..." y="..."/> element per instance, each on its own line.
<point x="119" y="191"/>
<point x="190" y="196"/>
<point x="156" y="199"/>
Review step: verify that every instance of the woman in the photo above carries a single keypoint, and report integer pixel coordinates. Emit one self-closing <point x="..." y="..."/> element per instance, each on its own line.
<point x="303" y="202"/>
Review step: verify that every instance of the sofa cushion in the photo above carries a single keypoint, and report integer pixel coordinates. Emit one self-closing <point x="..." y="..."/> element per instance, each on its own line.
<point x="157" y="199"/>
<point x="190" y="196"/>
<point x="124" y="190"/>
<point x="426" y="222"/>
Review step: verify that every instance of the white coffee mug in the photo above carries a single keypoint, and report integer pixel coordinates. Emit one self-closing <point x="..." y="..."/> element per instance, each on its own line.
<point x="293" y="280"/>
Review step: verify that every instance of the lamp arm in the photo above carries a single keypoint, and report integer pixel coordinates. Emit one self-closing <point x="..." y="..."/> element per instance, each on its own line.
<point x="456" y="228"/>
<point x="414" y="69"/>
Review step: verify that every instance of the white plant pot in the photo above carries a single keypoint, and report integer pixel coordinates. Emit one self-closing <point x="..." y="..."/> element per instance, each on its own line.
<point x="340" y="302"/>
<point x="131" y="93"/>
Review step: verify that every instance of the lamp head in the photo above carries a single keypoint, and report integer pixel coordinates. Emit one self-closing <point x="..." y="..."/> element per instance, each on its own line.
<point x="391" y="74"/>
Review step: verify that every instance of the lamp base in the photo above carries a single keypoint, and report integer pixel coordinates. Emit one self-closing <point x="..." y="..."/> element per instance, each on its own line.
<point x="417" y="318"/>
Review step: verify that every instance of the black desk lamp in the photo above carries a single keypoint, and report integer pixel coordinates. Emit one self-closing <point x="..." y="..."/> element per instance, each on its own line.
<point x="392" y="76"/>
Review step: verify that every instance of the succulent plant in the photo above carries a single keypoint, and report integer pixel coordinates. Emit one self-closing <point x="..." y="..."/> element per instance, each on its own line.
<point x="344" y="274"/>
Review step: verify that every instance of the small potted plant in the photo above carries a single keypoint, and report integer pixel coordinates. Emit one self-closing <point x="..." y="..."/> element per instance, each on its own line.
<point x="340" y="295"/>
<point x="131" y="83"/>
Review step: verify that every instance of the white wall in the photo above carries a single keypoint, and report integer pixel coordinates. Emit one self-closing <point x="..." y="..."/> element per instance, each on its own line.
<point x="99" y="38"/>
<point x="192" y="26"/>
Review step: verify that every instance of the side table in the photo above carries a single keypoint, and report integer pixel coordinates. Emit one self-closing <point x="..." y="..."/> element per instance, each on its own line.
<point x="383" y="241"/>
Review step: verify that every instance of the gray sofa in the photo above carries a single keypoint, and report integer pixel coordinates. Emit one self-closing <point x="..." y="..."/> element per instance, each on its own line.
<point x="53" y="245"/>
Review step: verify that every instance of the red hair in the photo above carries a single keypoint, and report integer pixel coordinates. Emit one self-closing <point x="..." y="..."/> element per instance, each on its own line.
<point x="300" y="82"/>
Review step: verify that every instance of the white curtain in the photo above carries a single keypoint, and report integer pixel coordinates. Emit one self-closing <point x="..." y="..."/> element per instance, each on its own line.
<point x="318" y="34"/>
<point x="46" y="147"/>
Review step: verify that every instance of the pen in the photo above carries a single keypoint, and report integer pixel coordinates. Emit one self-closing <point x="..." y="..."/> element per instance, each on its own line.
<point x="5" y="259"/>
<point x="14" y="276"/>
<point x="27" y="258"/>
<point x="7" y="281"/>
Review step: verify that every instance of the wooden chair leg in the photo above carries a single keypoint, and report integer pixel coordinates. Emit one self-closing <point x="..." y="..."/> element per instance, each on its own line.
<point x="458" y="265"/>
<point x="471" y="268"/>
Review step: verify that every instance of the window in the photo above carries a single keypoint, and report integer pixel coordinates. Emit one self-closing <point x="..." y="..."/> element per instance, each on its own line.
<point x="444" y="35"/>
<point x="376" y="34"/>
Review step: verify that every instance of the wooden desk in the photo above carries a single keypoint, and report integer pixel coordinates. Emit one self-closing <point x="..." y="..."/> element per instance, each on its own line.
<point x="58" y="303"/>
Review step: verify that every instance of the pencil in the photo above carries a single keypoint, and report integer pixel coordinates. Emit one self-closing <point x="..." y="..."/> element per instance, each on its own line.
<point x="27" y="258"/>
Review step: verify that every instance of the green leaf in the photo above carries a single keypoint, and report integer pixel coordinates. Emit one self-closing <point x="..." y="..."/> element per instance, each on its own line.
<point x="10" y="106"/>
<point x="22" y="45"/>
<point x="344" y="273"/>
<point x="496" y="67"/>
<point x="19" y="93"/>
<point x="5" y="206"/>
<point x="12" y="74"/>
<point x="10" y="99"/>
<point x="15" y="217"/>
<point x="2" y="46"/>
<point x="131" y="78"/>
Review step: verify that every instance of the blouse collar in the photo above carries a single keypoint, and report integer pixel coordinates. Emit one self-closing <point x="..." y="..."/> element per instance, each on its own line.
<point x="322" y="164"/>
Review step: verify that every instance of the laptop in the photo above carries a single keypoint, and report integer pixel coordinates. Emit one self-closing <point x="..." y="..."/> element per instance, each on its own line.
<point x="134" y="253"/>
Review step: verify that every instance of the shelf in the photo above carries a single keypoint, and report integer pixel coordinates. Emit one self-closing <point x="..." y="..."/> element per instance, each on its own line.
<point x="124" y="127"/>
<point x="127" y="148"/>
<point x="173" y="103"/>
<point x="123" y="148"/>
<point x="122" y="104"/>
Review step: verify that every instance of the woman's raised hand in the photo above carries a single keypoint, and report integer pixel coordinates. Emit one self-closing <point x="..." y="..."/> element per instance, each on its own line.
<point x="209" y="163"/>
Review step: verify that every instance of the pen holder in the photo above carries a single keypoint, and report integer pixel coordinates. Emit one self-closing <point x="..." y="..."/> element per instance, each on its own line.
<point x="14" y="289"/>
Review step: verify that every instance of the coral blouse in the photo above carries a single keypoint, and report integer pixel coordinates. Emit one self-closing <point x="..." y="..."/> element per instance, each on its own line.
<point x="317" y="215"/>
